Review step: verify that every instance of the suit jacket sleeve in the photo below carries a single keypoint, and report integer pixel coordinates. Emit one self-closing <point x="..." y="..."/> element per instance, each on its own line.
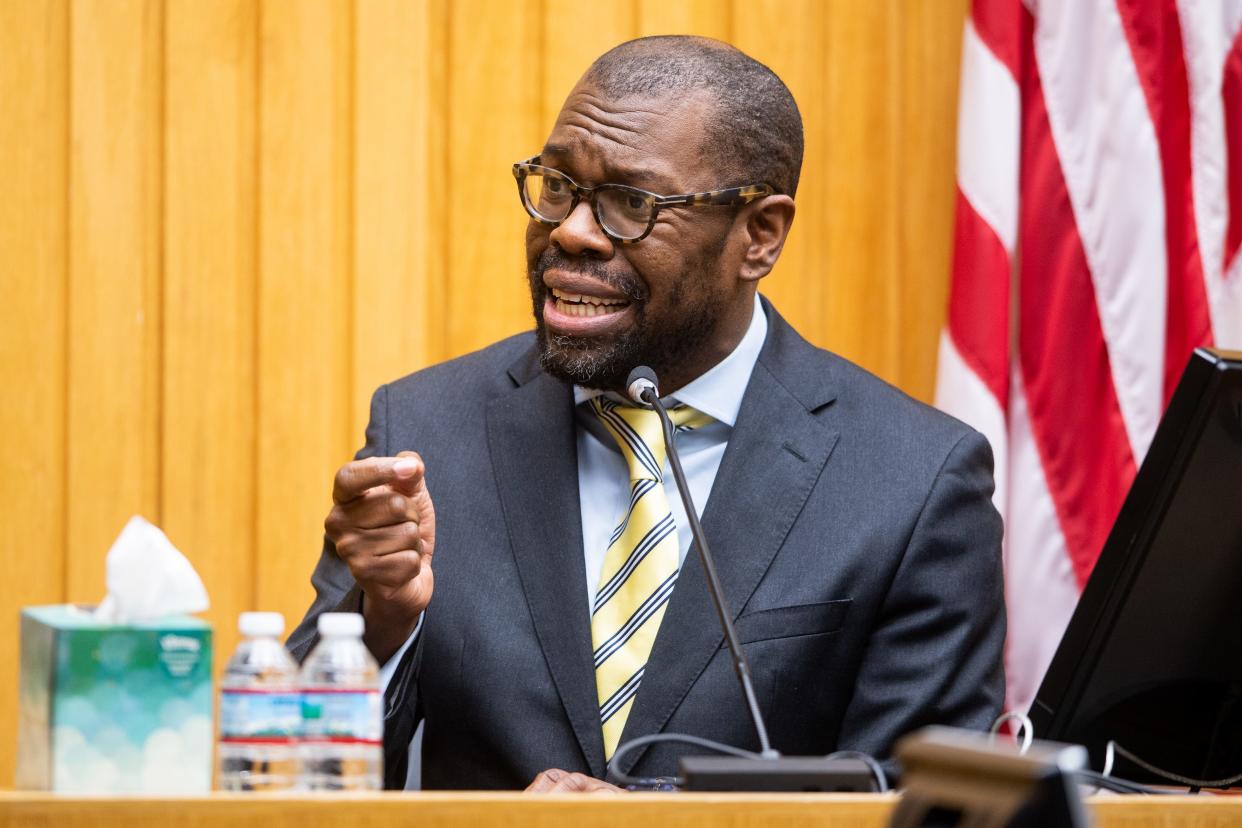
<point x="336" y="591"/>
<point x="936" y="654"/>
<point x="335" y="588"/>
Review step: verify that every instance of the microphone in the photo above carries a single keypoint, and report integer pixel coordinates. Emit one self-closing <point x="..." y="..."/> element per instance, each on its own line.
<point x="768" y="770"/>
<point x="642" y="387"/>
<point x="641" y="380"/>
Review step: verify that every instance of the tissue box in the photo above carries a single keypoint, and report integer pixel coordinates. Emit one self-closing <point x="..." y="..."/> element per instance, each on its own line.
<point x="114" y="708"/>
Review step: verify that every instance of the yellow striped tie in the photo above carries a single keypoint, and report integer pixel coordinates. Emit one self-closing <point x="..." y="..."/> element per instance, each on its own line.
<point x="640" y="566"/>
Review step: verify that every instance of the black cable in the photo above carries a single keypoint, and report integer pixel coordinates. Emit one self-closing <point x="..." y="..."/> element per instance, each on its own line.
<point x="881" y="779"/>
<point x="634" y="744"/>
<point x="1177" y="777"/>
<point x="740" y="664"/>
<point x="1117" y="785"/>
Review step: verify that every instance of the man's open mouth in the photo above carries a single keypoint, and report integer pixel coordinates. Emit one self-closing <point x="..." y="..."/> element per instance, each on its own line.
<point x="577" y="304"/>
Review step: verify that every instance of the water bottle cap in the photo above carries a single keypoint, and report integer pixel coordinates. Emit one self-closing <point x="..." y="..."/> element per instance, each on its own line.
<point x="340" y="623"/>
<point x="252" y="624"/>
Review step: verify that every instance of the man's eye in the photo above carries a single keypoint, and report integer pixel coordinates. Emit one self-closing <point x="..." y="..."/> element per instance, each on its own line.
<point x="635" y="202"/>
<point x="554" y="190"/>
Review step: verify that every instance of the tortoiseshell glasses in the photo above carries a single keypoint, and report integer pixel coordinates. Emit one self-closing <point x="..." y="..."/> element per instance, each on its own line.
<point x="625" y="214"/>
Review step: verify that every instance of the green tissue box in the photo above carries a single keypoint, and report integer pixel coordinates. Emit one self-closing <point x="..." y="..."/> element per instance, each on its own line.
<point x="114" y="708"/>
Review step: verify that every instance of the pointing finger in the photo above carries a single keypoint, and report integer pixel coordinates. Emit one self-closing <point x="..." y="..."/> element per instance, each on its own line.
<point x="409" y="468"/>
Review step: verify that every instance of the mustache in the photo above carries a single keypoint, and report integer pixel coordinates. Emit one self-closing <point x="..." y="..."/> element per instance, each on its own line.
<point x="553" y="257"/>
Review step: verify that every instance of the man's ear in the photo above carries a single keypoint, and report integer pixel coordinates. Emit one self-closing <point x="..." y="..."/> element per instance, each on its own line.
<point x="767" y="226"/>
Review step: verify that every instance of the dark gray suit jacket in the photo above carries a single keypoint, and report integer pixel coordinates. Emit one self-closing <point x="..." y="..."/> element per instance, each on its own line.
<point x="855" y="538"/>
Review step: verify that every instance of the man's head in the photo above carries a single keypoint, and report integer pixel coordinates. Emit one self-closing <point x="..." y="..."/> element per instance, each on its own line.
<point x="669" y="116"/>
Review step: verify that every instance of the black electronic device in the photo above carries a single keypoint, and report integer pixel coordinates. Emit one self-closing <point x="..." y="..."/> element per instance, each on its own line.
<point x="786" y="773"/>
<point x="1152" y="657"/>
<point x="954" y="778"/>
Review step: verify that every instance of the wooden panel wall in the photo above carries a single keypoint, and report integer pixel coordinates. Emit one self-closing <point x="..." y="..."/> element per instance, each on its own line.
<point x="224" y="222"/>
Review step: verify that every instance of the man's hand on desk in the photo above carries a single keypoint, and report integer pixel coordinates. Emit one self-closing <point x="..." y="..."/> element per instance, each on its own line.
<point x="383" y="525"/>
<point x="555" y="780"/>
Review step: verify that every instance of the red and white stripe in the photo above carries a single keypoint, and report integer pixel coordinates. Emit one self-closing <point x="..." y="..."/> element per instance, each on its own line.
<point x="1099" y="219"/>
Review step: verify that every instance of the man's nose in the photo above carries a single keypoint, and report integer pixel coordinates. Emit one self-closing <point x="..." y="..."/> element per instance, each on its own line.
<point x="580" y="234"/>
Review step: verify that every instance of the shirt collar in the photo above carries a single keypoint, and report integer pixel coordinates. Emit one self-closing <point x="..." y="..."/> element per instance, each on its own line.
<point x="717" y="393"/>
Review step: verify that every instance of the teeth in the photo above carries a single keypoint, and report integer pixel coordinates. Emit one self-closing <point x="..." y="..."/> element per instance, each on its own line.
<point x="582" y="309"/>
<point x="579" y="298"/>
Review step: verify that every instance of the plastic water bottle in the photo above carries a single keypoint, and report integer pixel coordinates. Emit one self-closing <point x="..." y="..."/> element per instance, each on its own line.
<point x="260" y="709"/>
<point x="342" y="714"/>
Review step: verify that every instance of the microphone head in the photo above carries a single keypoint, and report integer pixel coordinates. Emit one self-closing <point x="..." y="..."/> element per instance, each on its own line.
<point x="641" y="380"/>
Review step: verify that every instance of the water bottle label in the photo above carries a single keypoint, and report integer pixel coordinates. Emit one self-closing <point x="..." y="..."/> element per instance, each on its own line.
<point x="259" y="715"/>
<point x="348" y="716"/>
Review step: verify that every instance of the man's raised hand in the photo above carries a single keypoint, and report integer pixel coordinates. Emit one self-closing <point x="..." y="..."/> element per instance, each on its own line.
<point x="383" y="525"/>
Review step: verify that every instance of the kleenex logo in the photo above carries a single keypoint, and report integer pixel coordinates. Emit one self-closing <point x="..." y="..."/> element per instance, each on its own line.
<point x="180" y="654"/>
<point x="180" y="642"/>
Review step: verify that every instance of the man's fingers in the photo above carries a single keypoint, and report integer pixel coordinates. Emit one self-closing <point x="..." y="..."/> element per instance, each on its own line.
<point x="376" y="543"/>
<point x="544" y="782"/>
<point x="555" y="780"/>
<point x="381" y="506"/>
<point x="392" y="571"/>
<point x="389" y="539"/>
<point x="353" y="479"/>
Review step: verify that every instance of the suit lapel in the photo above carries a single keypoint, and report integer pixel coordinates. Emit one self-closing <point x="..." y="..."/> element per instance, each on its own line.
<point x="775" y="455"/>
<point x="531" y="435"/>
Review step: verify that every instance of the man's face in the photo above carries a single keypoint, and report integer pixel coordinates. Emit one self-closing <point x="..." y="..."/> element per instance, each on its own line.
<point x="671" y="301"/>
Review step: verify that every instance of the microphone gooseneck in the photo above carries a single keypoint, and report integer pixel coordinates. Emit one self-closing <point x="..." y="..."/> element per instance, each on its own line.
<point x="641" y="386"/>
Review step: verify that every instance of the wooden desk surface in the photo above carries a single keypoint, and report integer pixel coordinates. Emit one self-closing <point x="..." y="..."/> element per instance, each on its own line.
<point x="442" y="810"/>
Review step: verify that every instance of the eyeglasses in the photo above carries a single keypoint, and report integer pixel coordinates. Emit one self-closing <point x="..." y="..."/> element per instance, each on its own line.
<point x="625" y="214"/>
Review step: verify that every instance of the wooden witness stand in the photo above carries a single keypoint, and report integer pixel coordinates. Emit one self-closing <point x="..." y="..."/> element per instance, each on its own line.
<point x="511" y="810"/>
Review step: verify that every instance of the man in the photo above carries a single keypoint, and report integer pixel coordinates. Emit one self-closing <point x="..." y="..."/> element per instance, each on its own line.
<point x="853" y="527"/>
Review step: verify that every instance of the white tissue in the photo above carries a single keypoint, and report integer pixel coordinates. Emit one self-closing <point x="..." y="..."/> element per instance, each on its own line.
<point x="148" y="578"/>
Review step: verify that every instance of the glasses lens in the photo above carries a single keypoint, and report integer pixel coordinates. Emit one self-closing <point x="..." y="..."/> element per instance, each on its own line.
<point x="548" y="195"/>
<point x="624" y="213"/>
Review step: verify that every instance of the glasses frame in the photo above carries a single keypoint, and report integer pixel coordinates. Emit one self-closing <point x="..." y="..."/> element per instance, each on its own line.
<point x="727" y="197"/>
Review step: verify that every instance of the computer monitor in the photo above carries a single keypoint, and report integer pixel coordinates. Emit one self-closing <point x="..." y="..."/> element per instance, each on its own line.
<point x="1152" y="657"/>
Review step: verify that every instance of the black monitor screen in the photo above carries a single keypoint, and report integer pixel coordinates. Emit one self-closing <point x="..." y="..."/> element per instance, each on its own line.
<point x="1152" y="658"/>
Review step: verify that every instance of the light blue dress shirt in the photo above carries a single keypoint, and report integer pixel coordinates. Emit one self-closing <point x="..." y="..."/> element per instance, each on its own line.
<point x="604" y="479"/>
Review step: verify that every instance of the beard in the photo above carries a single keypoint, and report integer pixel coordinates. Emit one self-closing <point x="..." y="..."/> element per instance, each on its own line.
<point x="660" y="342"/>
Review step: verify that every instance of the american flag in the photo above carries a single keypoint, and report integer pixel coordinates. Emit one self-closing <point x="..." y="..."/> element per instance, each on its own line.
<point x="1099" y="218"/>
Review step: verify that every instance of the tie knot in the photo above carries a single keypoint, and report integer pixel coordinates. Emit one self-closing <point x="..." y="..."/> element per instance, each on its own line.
<point x="639" y="435"/>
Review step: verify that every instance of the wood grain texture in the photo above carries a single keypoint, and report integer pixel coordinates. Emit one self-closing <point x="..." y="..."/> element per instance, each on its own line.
<point x="305" y="300"/>
<point x="863" y="136"/>
<point x="399" y="194"/>
<point x="494" y="65"/>
<point x="798" y="285"/>
<point x="33" y="226"/>
<point x="511" y="810"/>
<point x="709" y="18"/>
<point x="115" y="279"/>
<point x="456" y="810"/>
<point x="574" y="35"/>
<point x="208" y="453"/>
<point x="930" y="67"/>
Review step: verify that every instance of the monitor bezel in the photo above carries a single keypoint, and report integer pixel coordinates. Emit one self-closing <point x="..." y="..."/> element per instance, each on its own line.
<point x="1053" y="711"/>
